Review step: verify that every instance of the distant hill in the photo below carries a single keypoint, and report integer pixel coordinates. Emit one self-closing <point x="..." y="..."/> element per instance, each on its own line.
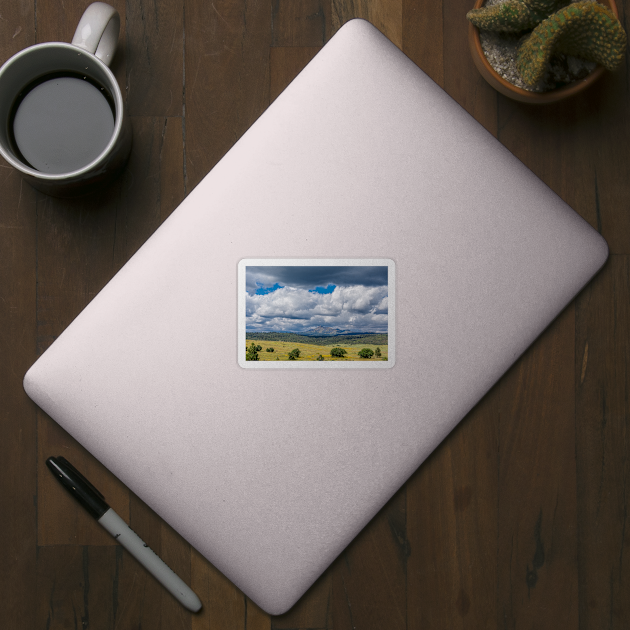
<point x="320" y="331"/>
<point x="322" y="340"/>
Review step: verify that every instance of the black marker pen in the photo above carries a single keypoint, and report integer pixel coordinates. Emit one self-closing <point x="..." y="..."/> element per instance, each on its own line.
<point x="94" y="502"/>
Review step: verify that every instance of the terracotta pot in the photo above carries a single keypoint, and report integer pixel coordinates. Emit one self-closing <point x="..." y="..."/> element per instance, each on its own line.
<point x="508" y="89"/>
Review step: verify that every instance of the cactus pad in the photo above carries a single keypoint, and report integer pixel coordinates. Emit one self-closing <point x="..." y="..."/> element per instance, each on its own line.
<point x="583" y="29"/>
<point x="513" y="16"/>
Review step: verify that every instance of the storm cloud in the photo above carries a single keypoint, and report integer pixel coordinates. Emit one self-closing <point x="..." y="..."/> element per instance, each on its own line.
<point x="307" y="277"/>
<point x="295" y="299"/>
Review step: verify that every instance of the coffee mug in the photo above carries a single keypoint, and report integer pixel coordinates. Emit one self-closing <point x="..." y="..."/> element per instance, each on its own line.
<point x="62" y="116"/>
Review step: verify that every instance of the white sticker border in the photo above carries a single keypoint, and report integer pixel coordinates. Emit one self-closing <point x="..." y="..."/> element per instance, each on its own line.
<point x="321" y="262"/>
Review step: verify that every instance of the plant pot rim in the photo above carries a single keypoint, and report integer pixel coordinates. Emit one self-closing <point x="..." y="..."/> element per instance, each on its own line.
<point x="519" y="94"/>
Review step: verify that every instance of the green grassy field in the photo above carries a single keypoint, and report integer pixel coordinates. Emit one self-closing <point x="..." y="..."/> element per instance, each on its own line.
<point x="310" y="352"/>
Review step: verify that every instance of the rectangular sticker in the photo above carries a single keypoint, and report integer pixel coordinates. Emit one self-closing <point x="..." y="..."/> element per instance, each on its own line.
<point x="318" y="313"/>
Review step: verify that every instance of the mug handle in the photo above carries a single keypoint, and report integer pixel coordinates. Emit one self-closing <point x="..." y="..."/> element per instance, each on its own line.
<point x="98" y="30"/>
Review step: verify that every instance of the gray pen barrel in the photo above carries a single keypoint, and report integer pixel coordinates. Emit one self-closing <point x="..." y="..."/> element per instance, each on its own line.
<point x="149" y="559"/>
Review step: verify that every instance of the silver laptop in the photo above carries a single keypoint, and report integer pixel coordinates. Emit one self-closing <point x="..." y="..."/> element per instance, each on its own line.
<point x="366" y="221"/>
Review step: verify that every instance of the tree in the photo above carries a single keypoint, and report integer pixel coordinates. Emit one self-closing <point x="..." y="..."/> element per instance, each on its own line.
<point x="377" y="352"/>
<point x="270" y="350"/>
<point x="320" y="358"/>
<point x="251" y="355"/>
<point x="366" y="353"/>
<point x="294" y="354"/>
<point x="258" y="348"/>
<point x="337" y="352"/>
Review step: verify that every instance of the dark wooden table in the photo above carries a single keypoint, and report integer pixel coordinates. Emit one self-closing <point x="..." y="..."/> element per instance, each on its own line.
<point x="518" y="520"/>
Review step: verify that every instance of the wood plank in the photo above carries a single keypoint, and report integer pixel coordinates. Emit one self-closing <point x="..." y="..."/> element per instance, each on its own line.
<point x="462" y="80"/>
<point x="452" y="527"/>
<point x="76" y="587"/>
<point x="142" y="600"/>
<point x="423" y="36"/>
<point x="313" y="610"/>
<point x="303" y="23"/>
<point x="226" y="78"/>
<point x="602" y="381"/>
<point x="558" y="148"/>
<point x="152" y="185"/>
<point x="285" y="64"/>
<point x="18" y="415"/>
<point x="154" y="57"/>
<point x="608" y="127"/>
<point x="577" y="148"/>
<point x="369" y="588"/>
<point x="57" y="22"/>
<point x="17" y="28"/>
<point x="537" y="537"/>
<point x="74" y="257"/>
<point x="224" y="606"/>
<point x="171" y="159"/>
<point x="386" y="15"/>
<point x="105" y="587"/>
<point x="18" y="420"/>
<point x="255" y="618"/>
<point x="564" y="146"/>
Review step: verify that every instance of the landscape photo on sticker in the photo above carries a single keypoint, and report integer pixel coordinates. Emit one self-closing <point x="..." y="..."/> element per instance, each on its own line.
<point x="316" y="313"/>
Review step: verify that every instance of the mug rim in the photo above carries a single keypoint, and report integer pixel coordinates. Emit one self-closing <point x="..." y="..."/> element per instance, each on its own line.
<point x="118" y="122"/>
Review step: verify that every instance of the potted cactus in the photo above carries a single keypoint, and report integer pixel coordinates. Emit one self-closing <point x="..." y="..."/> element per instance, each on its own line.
<point x="558" y="49"/>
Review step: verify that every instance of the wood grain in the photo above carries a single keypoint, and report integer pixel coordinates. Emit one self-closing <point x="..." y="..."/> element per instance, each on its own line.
<point x="608" y="141"/>
<point x="152" y="605"/>
<point x="285" y="64"/>
<point x="151" y="187"/>
<point x="303" y="23"/>
<point x="154" y="57"/>
<point x="57" y="22"/>
<point x="386" y="15"/>
<point x="452" y="526"/>
<point x="422" y="36"/>
<point x="313" y="609"/>
<point x="60" y="520"/>
<point x="226" y="78"/>
<point x="224" y="606"/>
<point x="461" y="79"/>
<point x="369" y="578"/>
<point x="18" y="324"/>
<point x="18" y="416"/>
<point x="602" y="381"/>
<point x="537" y="537"/>
<point x="76" y="587"/>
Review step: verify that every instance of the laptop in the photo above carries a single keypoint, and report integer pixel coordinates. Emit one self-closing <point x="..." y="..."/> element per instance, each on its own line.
<point x="367" y="222"/>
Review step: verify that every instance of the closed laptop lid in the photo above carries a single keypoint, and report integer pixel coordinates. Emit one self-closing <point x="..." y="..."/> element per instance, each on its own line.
<point x="364" y="201"/>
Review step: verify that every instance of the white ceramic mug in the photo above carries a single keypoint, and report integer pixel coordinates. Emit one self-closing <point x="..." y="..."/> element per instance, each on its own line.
<point x="86" y="58"/>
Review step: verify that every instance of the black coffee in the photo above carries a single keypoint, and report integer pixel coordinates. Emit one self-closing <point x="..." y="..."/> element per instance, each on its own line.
<point x="62" y="123"/>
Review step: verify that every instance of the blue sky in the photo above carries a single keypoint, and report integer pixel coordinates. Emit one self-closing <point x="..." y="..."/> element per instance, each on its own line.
<point x="298" y="298"/>
<point x="262" y="290"/>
